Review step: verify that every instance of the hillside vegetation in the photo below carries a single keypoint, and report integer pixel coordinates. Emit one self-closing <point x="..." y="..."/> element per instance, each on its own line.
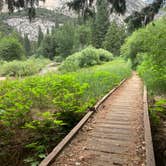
<point x="146" y="48"/>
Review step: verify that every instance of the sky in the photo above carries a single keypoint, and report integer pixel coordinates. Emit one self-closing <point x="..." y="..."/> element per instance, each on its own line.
<point x="149" y="1"/>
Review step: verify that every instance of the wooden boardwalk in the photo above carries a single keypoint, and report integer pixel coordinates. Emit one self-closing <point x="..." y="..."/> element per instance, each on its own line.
<point x="114" y="135"/>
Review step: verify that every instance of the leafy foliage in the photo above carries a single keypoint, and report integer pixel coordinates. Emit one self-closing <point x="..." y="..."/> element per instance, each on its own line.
<point x="146" y="47"/>
<point x="22" y="68"/>
<point x="158" y="117"/>
<point x="157" y="112"/>
<point x="90" y="56"/>
<point x="10" y="49"/>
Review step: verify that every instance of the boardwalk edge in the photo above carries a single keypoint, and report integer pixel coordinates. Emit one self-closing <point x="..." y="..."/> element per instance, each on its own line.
<point x="52" y="156"/>
<point x="150" y="159"/>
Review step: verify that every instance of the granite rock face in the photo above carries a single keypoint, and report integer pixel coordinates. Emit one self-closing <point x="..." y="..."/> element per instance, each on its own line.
<point x="24" y="26"/>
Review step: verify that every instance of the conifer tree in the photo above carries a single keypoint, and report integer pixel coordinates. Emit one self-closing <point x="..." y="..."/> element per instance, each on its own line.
<point x="48" y="31"/>
<point x="101" y="23"/>
<point x="27" y="45"/>
<point x="40" y="36"/>
<point x="114" y="38"/>
<point x="1" y="5"/>
<point x="48" y="47"/>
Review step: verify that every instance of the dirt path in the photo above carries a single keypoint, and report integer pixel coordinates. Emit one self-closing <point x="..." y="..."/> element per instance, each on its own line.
<point x="52" y="67"/>
<point x="114" y="135"/>
<point x="2" y="78"/>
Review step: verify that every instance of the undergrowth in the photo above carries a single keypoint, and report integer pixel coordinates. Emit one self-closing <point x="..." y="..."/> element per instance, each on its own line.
<point x="18" y="68"/>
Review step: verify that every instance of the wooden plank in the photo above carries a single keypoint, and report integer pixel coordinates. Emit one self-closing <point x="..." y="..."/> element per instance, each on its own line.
<point x="150" y="160"/>
<point x="66" y="140"/>
<point x="107" y="95"/>
<point x="51" y="157"/>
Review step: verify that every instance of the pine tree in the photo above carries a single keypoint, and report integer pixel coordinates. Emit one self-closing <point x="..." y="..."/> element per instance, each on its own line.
<point x="48" y="32"/>
<point x="40" y="36"/>
<point x="48" y="47"/>
<point x="114" y="38"/>
<point x="101" y="23"/>
<point x="27" y="45"/>
<point x="1" y="5"/>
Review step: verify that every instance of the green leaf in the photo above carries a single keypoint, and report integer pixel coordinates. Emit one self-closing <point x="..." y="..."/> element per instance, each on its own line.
<point x="42" y="156"/>
<point x="35" y="163"/>
<point x="29" y="160"/>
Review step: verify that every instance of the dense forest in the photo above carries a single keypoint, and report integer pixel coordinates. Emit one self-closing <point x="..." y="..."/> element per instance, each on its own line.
<point x="52" y="82"/>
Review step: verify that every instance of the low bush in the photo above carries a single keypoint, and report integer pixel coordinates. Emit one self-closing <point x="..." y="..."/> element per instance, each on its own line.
<point x="154" y="76"/>
<point x="22" y="68"/>
<point x="104" y="55"/>
<point x="11" y="49"/>
<point x="90" y="56"/>
<point x="157" y="112"/>
<point x="23" y="105"/>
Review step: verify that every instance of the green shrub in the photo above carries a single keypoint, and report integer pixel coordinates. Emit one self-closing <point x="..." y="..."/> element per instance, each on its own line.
<point x="104" y="55"/>
<point x="90" y="56"/>
<point x="10" y="49"/>
<point x="153" y="75"/>
<point x="157" y="112"/>
<point x="23" y="68"/>
<point x="72" y="63"/>
<point x="17" y="98"/>
<point x="133" y="46"/>
<point x="146" y="48"/>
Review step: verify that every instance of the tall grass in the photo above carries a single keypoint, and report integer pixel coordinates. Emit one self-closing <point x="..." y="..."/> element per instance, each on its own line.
<point x="102" y="78"/>
<point x="22" y="68"/>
